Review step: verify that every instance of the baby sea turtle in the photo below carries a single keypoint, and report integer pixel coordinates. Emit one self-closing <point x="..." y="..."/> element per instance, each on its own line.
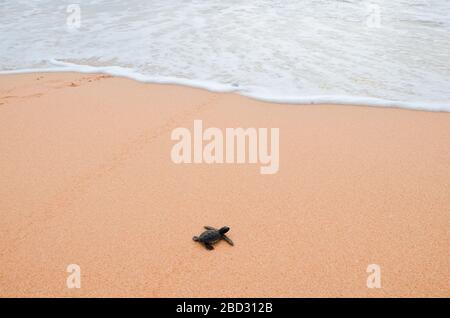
<point x="212" y="235"/>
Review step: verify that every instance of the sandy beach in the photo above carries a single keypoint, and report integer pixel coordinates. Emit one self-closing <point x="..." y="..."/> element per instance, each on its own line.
<point x="86" y="178"/>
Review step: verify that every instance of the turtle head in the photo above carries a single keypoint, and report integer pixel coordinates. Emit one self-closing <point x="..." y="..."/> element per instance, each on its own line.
<point x="224" y="230"/>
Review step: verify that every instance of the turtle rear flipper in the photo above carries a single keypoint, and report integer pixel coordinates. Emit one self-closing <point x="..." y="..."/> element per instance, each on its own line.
<point x="228" y="240"/>
<point x="209" y="246"/>
<point x="210" y="228"/>
<point x="195" y="238"/>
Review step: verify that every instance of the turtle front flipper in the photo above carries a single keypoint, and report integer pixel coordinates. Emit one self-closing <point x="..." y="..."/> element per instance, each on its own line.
<point x="209" y="246"/>
<point x="210" y="228"/>
<point x="228" y="240"/>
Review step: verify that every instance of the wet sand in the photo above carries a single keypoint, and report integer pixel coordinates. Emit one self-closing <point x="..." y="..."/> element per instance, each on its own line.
<point x="86" y="178"/>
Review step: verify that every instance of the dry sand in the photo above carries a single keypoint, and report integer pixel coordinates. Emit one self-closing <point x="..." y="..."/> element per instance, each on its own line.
<point x="86" y="178"/>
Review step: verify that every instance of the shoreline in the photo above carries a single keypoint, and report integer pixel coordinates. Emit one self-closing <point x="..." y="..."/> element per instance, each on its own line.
<point x="86" y="178"/>
<point x="214" y="87"/>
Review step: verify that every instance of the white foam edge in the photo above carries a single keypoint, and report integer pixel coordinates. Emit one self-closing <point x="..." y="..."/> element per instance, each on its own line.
<point x="119" y="71"/>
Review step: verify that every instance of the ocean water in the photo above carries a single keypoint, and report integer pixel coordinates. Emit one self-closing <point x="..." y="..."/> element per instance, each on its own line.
<point x="377" y="52"/>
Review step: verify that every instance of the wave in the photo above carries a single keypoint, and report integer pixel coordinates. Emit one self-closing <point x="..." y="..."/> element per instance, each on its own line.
<point x="258" y="94"/>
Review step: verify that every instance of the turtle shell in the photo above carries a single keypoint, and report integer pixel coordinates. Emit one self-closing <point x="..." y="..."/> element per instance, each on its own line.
<point x="210" y="236"/>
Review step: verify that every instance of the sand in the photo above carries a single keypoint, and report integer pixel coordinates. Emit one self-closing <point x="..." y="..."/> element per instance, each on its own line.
<point x="86" y="178"/>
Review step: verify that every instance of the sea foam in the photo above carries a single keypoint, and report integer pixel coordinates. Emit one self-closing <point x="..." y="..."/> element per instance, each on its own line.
<point x="299" y="52"/>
